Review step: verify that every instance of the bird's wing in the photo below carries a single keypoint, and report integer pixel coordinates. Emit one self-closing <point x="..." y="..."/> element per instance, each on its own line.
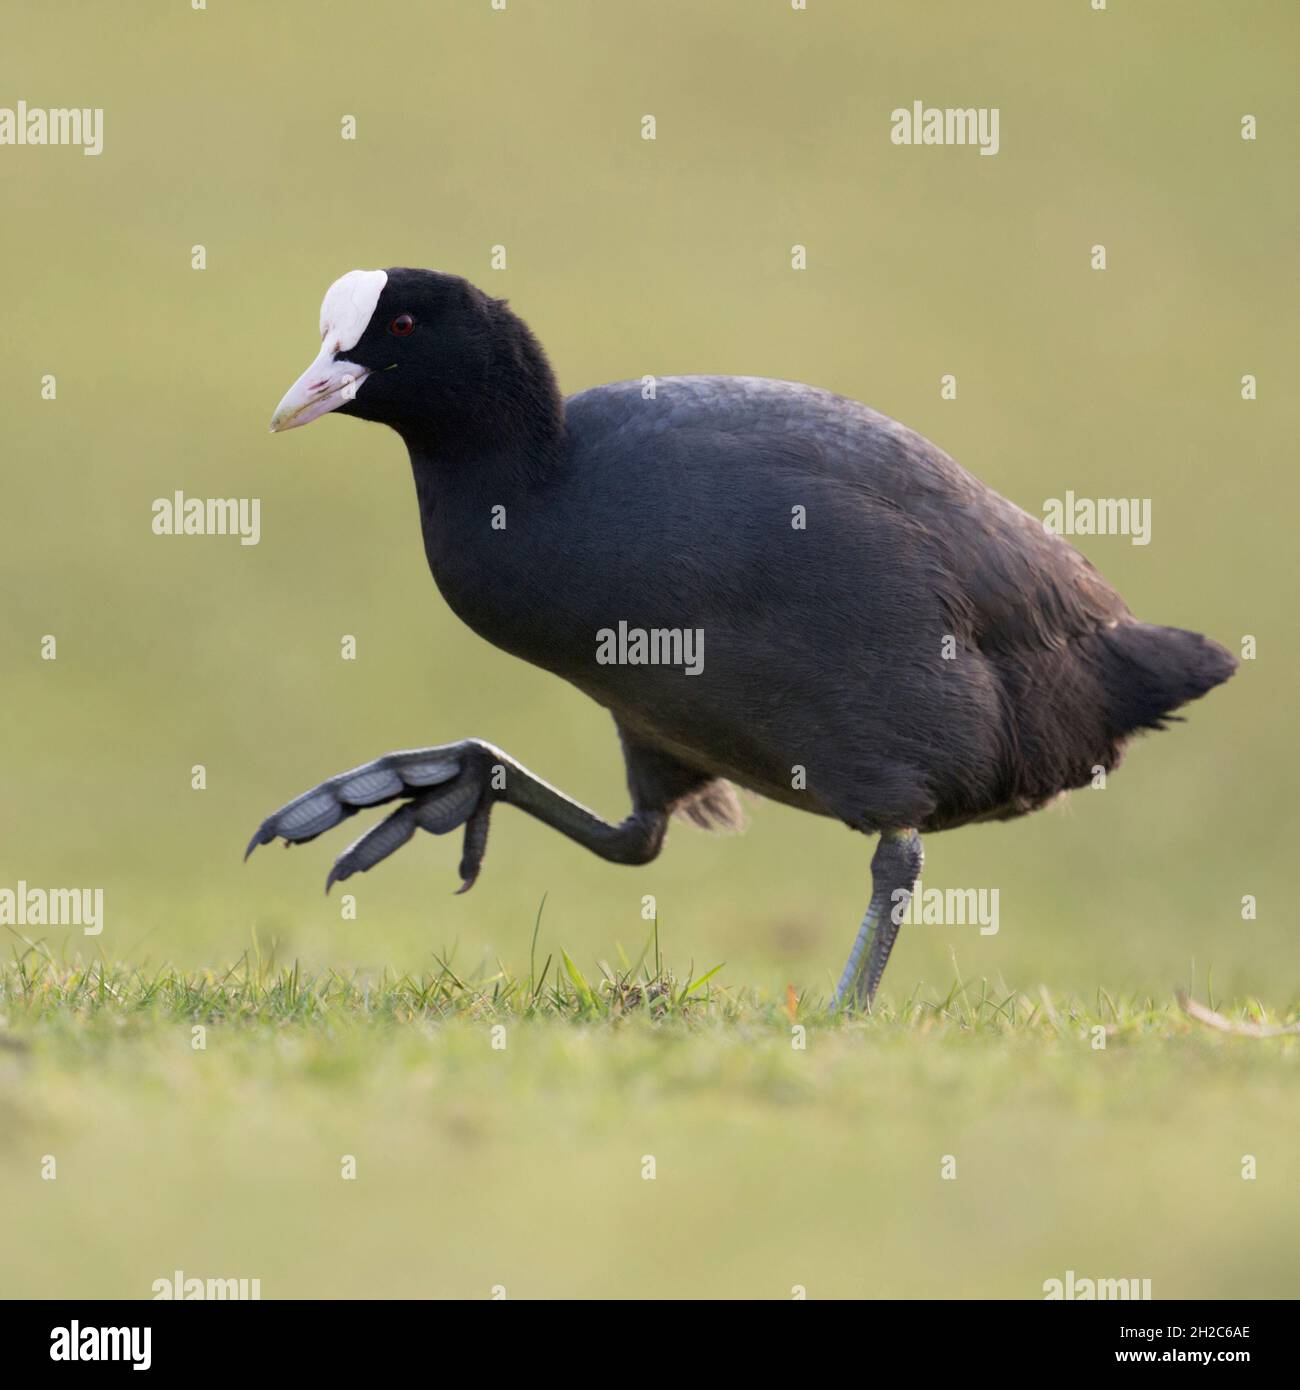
<point x="1014" y="583"/>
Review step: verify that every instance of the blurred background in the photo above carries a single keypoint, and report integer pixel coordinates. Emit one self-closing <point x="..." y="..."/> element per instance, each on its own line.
<point x="476" y="128"/>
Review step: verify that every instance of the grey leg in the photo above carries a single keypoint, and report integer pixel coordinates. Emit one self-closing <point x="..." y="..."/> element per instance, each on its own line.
<point x="443" y="788"/>
<point x="895" y="867"/>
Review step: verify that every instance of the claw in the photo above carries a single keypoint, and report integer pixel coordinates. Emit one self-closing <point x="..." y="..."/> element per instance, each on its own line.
<point x="475" y="844"/>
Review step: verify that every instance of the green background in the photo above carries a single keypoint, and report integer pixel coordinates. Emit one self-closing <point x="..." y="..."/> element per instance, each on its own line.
<point x="627" y="257"/>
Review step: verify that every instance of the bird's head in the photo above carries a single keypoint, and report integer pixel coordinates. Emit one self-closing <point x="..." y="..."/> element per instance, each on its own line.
<point x="426" y="353"/>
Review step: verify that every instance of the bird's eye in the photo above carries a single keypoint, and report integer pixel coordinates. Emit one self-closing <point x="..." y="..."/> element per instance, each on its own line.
<point x="401" y="325"/>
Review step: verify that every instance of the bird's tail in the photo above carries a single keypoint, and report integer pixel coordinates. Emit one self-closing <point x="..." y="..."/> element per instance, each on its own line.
<point x="1147" y="672"/>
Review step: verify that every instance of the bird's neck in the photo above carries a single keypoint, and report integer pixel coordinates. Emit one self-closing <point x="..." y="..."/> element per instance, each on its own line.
<point x="478" y="515"/>
<point x="461" y="490"/>
<point x="485" y="460"/>
<point x="506" y="443"/>
<point x="502" y="427"/>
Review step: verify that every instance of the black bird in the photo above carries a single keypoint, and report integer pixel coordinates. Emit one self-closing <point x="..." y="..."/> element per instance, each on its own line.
<point x="764" y="583"/>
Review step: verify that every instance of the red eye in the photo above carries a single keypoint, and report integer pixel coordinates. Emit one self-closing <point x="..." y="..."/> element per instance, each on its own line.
<point x="401" y="325"/>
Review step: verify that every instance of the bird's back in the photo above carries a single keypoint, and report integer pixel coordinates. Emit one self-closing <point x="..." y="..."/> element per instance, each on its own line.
<point x="886" y="639"/>
<point x="1024" y="584"/>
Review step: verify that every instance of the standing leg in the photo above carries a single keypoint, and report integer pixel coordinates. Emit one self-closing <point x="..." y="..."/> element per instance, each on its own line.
<point x="895" y="867"/>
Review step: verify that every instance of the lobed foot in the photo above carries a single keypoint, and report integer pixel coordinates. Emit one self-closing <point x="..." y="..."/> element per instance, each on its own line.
<point x="441" y="788"/>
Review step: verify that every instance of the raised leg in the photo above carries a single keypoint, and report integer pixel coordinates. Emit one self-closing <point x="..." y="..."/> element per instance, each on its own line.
<point x="443" y="788"/>
<point x="895" y="867"/>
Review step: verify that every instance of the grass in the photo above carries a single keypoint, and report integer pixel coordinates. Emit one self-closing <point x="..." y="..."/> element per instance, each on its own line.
<point x="41" y="994"/>
<point x="500" y="1128"/>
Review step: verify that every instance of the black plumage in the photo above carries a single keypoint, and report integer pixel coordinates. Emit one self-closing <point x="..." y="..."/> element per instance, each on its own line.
<point x="886" y="641"/>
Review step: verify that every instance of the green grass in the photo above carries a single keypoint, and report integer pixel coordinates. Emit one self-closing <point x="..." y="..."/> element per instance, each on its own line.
<point x="791" y="1148"/>
<point x="44" y="995"/>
